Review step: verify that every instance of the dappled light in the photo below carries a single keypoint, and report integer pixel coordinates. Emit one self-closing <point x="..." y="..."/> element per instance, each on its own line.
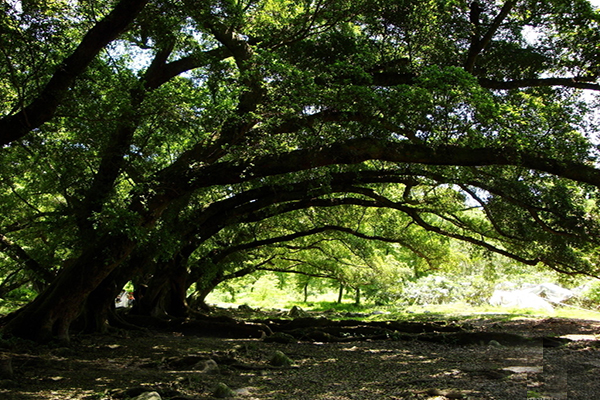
<point x="286" y="199"/>
<point x="191" y="366"/>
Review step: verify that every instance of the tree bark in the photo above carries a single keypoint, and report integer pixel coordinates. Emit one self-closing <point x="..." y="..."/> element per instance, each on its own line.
<point x="165" y="295"/>
<point x="306" y="292"/>
<point x="50" y="315"/>
<point x="340" y="294"/>
<point x="197" y="300"/>
<point x="100" y="306"/>
<point x="41" y="275"/>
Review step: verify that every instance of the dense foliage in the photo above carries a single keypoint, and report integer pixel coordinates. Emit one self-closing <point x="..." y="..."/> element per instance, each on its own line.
<point x="178" y="143"/>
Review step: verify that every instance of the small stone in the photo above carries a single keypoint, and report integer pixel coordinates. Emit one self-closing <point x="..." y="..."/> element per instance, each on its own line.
<point x="210" y="367"/>
<point x="297" y="312"/>
<point x="379" y="312"/>
<point x="281" y="360"/>
<point x="148" y="396"/>
<point x="222" y="391"/>
<point x="433" y="392"/>
<point x="243" y="391"/>
<point x="494" y="343"/>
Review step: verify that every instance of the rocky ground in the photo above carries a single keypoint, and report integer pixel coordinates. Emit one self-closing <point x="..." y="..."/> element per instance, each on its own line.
<point x="315" y="359"/>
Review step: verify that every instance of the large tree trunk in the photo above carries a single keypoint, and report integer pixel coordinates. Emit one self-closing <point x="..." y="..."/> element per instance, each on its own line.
<point x="197" y="300"/>
<point x="100" y="306"/>
<point x="207" y="277"/>
<point x="50" y="315"/>
<point x="166" y="291"/>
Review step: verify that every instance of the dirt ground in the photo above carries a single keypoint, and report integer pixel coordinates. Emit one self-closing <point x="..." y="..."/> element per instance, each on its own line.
<point x="180" y="366"/>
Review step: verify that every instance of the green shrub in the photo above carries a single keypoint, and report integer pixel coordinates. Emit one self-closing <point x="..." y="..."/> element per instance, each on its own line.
<point x="590" y="295"/>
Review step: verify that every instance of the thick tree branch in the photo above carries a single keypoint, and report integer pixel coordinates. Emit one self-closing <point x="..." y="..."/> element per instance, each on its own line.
<point x="240" y="48"/>
<point x="252" y="95"/>
<point x="170" y="70"/>
<point x="267" y="201"/>
<point x="415" y="215"/>
<point x="245" y="271"/>
<point x="578" y="82"/>
<point x="546" y="259"/>
<point x="575" y="82"/>
<point x="113" y="156"/>
<point x="356" y="151"/>
<point x="19" y="254"/>
<point x="381" y="201"/>
<point x="158" y="73"/>
<point x="478" y="46"/>
<point x="584" y="231"/>
<point x="488" y="213"/>
<point x="44" y="106"/>
<point x="326" y="228"/>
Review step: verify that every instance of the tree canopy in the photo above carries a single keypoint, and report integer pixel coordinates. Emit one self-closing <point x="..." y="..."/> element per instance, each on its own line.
<point x="164" y="141"/>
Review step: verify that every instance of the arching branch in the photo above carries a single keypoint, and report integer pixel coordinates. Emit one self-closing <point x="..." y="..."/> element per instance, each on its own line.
<point x="574" y="82"/>
<point x="355" y="151"/>
<point x="43" y="108"/>
<point x="578" y="82"/>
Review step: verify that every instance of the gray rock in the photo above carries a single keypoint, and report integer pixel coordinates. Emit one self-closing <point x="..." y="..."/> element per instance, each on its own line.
<point x="209" y="367"/>
<point x="297" y="312"/>
<point x="280" y="360"/>
<point x="246" y="391"/>
<point x="148" y="396"/>
<point x="222" y="391"/>
<point x="130" y="392"/>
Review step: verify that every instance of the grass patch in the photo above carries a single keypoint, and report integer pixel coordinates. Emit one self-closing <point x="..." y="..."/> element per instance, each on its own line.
<point x="568" y="312"/>
<point x="335" y="306"/>
<point x="265" y="294"/>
